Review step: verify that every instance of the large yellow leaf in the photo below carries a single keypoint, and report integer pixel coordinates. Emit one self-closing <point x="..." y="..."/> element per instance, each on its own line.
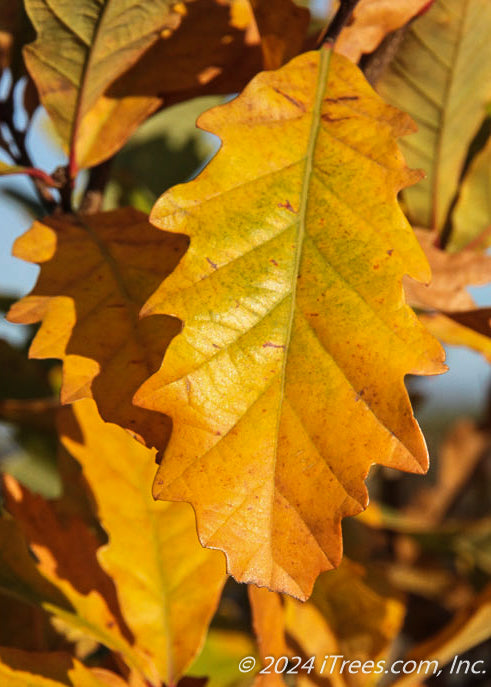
<point x="26" y="669"/>
<point x="471" y="220"/>
<point x="96" y="272"/>
<point x="286" y="382"/>
<point x="441" y="75"/>
<point x="170" y="591"/>
<point x="78" y="54"/>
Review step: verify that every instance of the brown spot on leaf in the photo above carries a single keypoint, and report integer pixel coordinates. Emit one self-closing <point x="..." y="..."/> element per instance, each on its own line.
<point x="290" y="99"/>
<point x="287" y="205"/>
<point x="270" y="344"/>
<point x="210" y="262"/>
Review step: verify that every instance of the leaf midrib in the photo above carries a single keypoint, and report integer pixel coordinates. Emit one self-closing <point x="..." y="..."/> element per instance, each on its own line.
<point x="323" y="69"/>
<point x="91" y="49"/>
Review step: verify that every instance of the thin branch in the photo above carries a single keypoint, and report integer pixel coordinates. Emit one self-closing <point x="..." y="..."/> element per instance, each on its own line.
<point x="21" y="157"/>
<point x="339" y="21"/>
<point x="94" y="193"/>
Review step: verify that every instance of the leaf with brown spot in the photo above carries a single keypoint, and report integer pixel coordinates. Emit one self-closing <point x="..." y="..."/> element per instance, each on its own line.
<point x="287" y="380"/>
<point x="96" y="273"/>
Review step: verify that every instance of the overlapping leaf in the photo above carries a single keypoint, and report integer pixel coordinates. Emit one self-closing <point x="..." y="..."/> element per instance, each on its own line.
<point x="469" y="628"/>
<point x="471" y="220"/>
<point x="77" y="55"/>
<point x="372" y="20"/>
<point x="69" y="582"/>
<point x="286" y="382"/>
<point x="225" y="56"/>
<point x="283" y="27"/>
<point x="456" y="330"/>
<point x="155" y="614"/>
<point x="441" y="76"/>
<point x="104" y="69"/>
<point x="96" y="272"/>
<point x="171" y="592"/>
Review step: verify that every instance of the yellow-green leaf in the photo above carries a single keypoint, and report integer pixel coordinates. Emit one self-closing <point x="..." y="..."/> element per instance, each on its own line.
<point x="96" y="273"/>
<point x="471" y="220"/>
<point x="441" y="75"/>
<point x="169" y="588"/>
<point x="286" y="382"/>
<point x="78" y="54"/>
<point x="27" y="669"/>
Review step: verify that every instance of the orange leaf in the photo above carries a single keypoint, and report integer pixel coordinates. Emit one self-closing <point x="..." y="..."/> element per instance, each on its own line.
<point x="90" y="604"/>
<point x="283" y="27"/>
<point x="372" y="21"/>
<point x="96" y="272"/>
<point x="286" y="382"/>
<point x="452" y="273"/>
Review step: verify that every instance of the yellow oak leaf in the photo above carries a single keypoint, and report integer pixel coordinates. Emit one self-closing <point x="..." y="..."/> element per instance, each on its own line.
<point x="287" y="380"/>
<point x="372" y="20"/>
<point x="168" y="585"/>
<point x="96" y="273"/>
<point x="42" y="669"/>
<point x="441" y="76"/>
